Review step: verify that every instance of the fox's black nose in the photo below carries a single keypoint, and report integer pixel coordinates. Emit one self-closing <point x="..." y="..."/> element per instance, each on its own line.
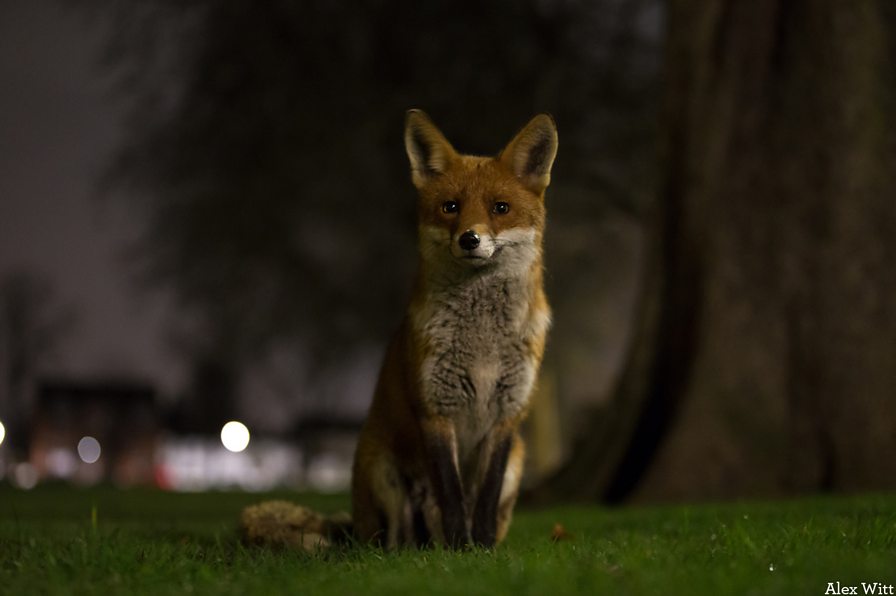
<point x="468" y="240"/>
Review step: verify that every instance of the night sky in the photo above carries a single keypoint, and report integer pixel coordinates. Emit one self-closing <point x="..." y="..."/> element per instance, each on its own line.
<point x="58" y="127"/>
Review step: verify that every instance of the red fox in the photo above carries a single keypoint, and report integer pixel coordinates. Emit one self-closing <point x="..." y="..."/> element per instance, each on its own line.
<point x="439" y="458"/>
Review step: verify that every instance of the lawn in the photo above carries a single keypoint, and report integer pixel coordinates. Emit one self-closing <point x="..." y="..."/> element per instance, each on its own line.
<point x="56" y="540"/>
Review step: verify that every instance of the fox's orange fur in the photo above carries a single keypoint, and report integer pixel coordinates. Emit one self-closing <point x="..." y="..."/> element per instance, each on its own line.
<point x="440" y="457"/>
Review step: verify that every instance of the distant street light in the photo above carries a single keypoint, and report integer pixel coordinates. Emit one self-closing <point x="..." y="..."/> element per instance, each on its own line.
<point x="2" y="433"/>
<point x="235" y="436"/>
<point x="89" y="450"/>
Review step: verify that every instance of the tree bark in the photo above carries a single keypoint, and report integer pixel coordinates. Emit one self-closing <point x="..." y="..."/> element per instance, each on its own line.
<point x="764" y="358"/>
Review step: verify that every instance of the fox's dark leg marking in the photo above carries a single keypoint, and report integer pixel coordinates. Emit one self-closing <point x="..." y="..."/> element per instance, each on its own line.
<point x="379" y="538"/>
<point x="419" y="532"/>
<point x="422" y="537"/>
<point x="485" y="515"/>
<point x="448" y="490"/>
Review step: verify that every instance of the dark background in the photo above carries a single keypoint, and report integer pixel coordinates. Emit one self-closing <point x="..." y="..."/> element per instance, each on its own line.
<point x="212" y="200"/>
<point x="241" y="218"/>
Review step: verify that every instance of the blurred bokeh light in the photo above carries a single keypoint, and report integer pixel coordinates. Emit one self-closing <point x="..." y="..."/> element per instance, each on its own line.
<point x="89" y="450"/>
<point x="235" y="436"/>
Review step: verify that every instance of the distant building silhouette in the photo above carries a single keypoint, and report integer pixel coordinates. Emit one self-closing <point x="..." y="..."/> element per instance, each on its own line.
<point x="327" y="444"/>
<point x="92" y="431"/>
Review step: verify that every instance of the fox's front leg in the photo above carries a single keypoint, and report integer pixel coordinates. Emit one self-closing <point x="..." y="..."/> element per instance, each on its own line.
<point x="441" y="447"/>
<point x="485" y="513"/>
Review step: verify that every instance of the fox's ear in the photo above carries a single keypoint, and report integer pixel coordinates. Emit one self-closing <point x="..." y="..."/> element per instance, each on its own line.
<point x="531" y="153"/>
<point x="428" y="149"/>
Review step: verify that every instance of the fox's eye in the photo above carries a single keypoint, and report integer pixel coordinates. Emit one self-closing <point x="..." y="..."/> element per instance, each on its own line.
<point x="449" y="207"/>
<point x="501" y="208"/>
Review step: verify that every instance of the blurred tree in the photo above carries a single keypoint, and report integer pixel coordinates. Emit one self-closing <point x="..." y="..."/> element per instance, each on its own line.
<point x="764" y="357"/>
<point x="33" y="324"/>
<point x="266" y="140"/>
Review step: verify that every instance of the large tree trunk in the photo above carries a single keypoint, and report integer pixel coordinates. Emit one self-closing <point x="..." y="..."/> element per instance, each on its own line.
<point x="764" y="360"/>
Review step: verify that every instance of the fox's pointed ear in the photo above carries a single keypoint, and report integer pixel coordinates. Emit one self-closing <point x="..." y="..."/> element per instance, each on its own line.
<point x="531" y="153"/>
<point x="428" y="149"/>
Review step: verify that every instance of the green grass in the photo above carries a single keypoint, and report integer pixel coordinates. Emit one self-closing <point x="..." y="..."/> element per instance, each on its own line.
<point x="145" y="542"/>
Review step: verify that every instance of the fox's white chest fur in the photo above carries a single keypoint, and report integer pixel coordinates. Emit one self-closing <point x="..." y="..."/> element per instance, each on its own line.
<point x="479" y="370"/>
